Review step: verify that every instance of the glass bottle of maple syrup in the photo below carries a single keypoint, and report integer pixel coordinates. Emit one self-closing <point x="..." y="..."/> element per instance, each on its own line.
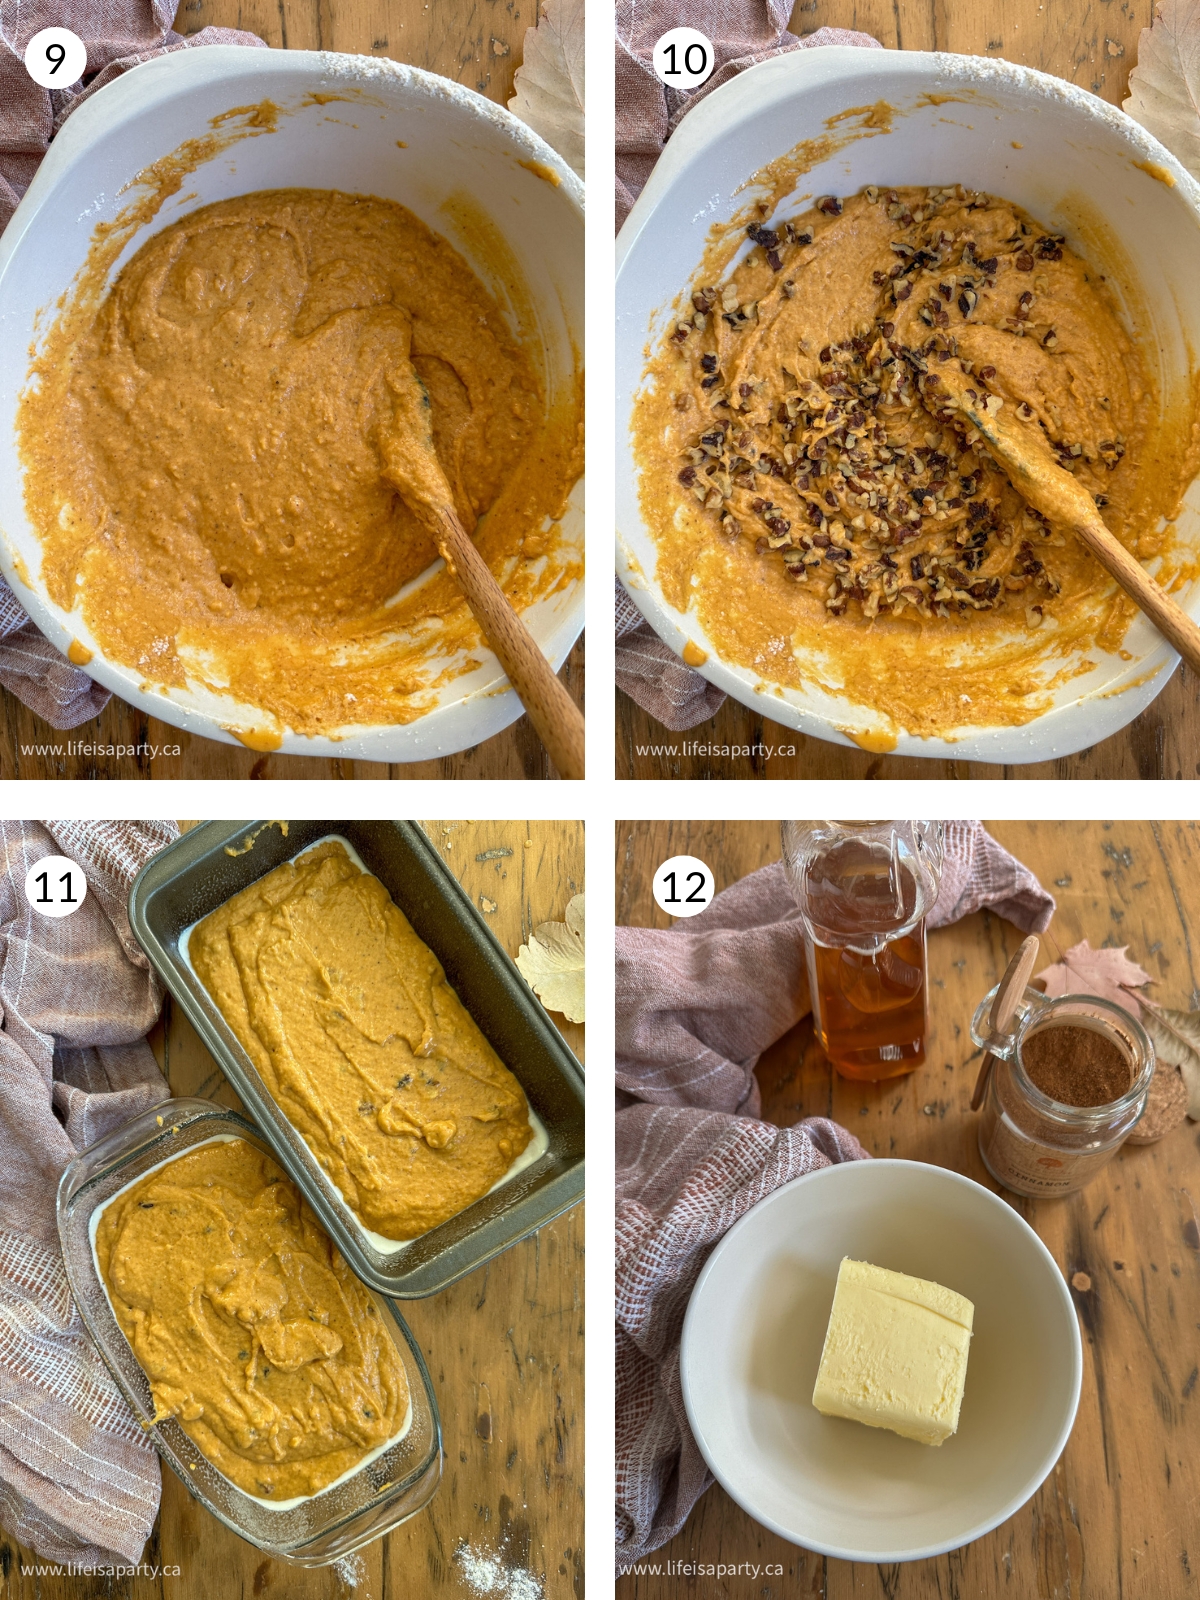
<point x="864" y="890"/>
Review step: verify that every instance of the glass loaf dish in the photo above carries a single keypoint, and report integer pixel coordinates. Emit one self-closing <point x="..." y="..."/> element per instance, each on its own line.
<point x="386" y="1490"/>
<point x="196" y="874"/>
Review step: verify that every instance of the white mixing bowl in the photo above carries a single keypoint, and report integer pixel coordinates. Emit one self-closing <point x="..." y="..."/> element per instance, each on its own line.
<point x="752" y="1344"/>
<point x="1065" y="156"/>
<point x="458" y="145"/>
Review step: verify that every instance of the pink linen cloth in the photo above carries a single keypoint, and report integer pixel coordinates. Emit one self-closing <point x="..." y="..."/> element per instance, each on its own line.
<point x="743" y="32"/>
<point x="78" y="1479"/>
<point x="697" y="1004"/>
<point x="118" y="35"/>
<point x="651" y="673"/>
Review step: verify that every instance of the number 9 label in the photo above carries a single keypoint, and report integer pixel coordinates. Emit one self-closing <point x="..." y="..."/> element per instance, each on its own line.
<point x="684" y="58"/>
<point x="55" y="886"/>
<point x="683" y="886"/>
<point x="56" y="58"/>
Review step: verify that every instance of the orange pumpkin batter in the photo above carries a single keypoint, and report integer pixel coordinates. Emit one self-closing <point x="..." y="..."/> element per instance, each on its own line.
<point x="253" y="1331"/>
<point x="205" y="470"/>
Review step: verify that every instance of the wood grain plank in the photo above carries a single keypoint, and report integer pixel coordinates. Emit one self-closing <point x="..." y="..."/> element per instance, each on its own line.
<point x="540" y="869"/>
<point x="504" y="1348"/>
<point x="1115" y="1516"/>
<point x="1094" y="46"/>
<point x="1092" y="43"/>
<point x="475" y="42"/>
<point x="478" y="43"/>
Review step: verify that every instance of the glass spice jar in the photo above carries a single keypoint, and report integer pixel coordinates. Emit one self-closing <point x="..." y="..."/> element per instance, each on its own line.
<point x="1036" y="1145"/>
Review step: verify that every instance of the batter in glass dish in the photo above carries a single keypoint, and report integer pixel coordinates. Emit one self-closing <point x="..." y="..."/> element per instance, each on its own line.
<point x="252" y="1330"/>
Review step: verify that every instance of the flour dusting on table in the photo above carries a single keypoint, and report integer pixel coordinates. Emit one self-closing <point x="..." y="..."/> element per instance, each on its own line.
<point x="351" y="1571"/>
<point x="486" y="1574"/>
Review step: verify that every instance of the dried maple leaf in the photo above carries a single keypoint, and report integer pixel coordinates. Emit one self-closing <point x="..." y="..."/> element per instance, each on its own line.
<point x="1107" y="973"/>
<point x="549" y="81"/>
<point x="1176" y="1039"/>
<point x="1164" y="87"/>
<point x="552" y="963"/>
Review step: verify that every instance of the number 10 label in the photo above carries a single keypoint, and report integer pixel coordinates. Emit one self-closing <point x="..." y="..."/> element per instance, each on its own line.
<point x="683" y="58"/>
<point x="55" y="886"/>
<point x="683" y="886"/>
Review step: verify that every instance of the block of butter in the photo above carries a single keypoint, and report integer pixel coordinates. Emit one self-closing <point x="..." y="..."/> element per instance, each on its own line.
<point x="895" y="1353"/>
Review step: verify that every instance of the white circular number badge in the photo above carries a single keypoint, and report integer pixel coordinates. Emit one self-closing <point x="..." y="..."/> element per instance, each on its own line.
<point x="56" y="58"/>
<point x="55" y="886"/>
<point x="684" y="58"/>
<point x="683" y="886"/>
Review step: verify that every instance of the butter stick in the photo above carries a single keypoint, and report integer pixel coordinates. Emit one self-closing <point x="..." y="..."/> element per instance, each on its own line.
<point x="895" y="1353"/>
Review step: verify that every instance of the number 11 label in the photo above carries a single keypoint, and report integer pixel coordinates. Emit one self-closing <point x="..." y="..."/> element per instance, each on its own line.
<point x="683" y="886"/>
<point x="55" y="886"/>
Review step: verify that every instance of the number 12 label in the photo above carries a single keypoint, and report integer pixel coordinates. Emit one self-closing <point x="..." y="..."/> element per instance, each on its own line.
<point x="683" y="886"/>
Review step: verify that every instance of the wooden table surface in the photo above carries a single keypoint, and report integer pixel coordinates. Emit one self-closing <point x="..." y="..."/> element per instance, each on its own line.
<point x="1118" y="1514"/>
<point x="1091" y="44"/>
<point x="504" y="1347"/>
<point x="480" y="46"/>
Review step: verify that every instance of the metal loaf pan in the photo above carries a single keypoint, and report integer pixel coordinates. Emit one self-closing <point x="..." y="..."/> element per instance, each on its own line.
<point x="195" y="875"/>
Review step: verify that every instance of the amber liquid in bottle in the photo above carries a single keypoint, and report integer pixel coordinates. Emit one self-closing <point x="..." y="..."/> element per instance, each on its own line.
<point x="868" y="989"/>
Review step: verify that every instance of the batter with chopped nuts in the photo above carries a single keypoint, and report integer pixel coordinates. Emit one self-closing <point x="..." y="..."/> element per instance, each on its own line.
<point x="821" y="512"/>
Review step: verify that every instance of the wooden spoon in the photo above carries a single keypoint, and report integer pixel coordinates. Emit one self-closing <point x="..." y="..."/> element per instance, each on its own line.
<point x="1008" y="997"/>
<point x="1021" y="449"/>
<point x="411" y="463"/>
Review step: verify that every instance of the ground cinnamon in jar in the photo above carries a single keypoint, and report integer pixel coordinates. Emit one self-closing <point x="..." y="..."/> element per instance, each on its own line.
<point x="1076" y="1066"/>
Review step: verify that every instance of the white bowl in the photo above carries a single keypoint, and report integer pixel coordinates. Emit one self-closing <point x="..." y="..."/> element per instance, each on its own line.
<point x="458" y="144"/>
<point x="1075" y="169"/>
<point x="752" y="1343"/>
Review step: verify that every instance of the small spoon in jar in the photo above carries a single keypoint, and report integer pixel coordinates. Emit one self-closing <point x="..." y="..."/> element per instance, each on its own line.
<point x="1008" y="997"/>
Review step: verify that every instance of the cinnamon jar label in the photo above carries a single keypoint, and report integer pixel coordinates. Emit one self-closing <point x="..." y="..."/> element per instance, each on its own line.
<point x="1012" y="1154"/>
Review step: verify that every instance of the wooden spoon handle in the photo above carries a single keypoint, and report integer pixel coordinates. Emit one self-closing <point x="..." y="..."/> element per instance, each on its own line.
<point x="1171" y="621"/>
<point x="981" y="1082"/>
<point x="558" y="720"/>
<point x="1013" y="984"/>
<point x="1008" y="997"/>
<point x="1025" y="456"/>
